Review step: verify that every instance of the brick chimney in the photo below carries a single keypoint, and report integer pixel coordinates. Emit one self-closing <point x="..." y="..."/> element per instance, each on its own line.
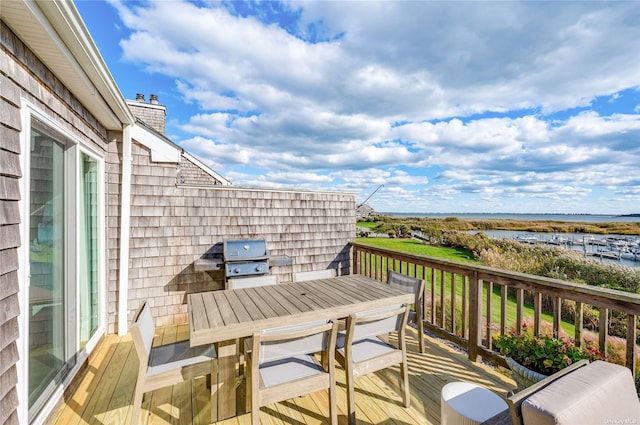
<point x="153" y="114"/>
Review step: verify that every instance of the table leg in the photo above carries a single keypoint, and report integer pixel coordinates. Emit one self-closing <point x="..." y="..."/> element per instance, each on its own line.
<point x="223" y="395"/>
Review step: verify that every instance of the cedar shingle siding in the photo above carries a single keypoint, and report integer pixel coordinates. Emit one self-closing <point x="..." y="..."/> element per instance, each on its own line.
<point x="174" y="226"/>
<point x="9" y="237"/>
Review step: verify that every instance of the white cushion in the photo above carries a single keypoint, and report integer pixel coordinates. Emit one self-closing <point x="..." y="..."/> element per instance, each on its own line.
<point x="599" y="393"/>
<point x="289" y="369"/>
<point x="365" y="349"/>
<point x="178" y="355"/>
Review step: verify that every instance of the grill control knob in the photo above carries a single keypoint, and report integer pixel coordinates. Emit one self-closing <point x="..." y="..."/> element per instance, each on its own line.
<point x="236" y="270"/>
<point x="246" y="247"/>
<point x="259" y="268"/>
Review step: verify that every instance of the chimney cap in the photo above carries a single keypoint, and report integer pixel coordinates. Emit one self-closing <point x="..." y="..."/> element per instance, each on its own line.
<point x="153" y="99"/>
<point x="139" y="97"/>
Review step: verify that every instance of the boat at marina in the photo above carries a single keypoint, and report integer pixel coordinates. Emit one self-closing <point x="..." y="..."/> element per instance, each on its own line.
<point x="558" y="240"/>
<point x="631" y="254"/>
<point x="527" y="238"/>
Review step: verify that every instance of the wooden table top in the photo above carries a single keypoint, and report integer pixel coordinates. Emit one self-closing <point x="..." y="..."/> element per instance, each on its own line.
<point x="229" y="314"/>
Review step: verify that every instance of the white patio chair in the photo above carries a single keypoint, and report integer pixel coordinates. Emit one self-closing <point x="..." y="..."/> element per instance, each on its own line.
<point x="251" y="282"/>
<point x="360" y="351"/>
<point x="164" y="365"/>
<point x="415" y="285"/>
<point x="282" y="365"/>
<point x="314" y="274"/>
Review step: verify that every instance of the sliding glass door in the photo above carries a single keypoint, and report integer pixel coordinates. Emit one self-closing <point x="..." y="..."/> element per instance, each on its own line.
<point x="64" y="234"/>
<point x="47" y="262"/>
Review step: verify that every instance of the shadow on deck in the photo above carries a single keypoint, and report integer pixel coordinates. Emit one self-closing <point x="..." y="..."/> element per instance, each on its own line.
<point x="103" y="392"/>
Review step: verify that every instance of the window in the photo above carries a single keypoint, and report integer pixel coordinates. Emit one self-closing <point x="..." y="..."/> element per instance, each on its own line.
<point x="89" y="249"/>
<point x="64" y="259"/>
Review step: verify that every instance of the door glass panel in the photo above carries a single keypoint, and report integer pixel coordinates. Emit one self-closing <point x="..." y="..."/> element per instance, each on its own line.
<point x="88" y="252"/>
<point x="46" y="261"/>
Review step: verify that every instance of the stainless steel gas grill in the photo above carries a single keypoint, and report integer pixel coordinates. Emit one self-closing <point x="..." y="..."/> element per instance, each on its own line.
<point x="244" y="258"/>
<point x="245" y="261"/>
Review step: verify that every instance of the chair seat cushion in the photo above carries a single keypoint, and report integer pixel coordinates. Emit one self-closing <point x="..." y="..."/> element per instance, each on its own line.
<point x="598" y="393"/>
<point x="289" y="369"/>
<point x="366" y="348"/>
<point x="178" y="355"/>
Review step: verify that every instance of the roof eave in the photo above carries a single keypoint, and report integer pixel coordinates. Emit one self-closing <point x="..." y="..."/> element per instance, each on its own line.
<point x="55" y="32"/>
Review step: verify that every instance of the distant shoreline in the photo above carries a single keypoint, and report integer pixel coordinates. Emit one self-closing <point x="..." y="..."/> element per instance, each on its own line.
<point x="581" y="218"/>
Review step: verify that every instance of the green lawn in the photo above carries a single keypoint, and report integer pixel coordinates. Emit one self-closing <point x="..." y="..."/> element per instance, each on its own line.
<point x="416" y="247"/>
<point x="368" y="224"/>
<point x="456" y="254"/>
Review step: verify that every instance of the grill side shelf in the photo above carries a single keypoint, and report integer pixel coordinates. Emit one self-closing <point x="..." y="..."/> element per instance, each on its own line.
<point x="216" y="264"/>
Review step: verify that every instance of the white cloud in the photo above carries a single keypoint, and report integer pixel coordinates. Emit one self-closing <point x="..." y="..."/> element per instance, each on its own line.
<point x="470" y="104"/>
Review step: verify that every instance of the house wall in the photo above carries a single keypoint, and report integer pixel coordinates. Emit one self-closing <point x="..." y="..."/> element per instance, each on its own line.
<point x="175" y="225"/>
<point x="9" y="240"/>
<point x="24" y="77"/>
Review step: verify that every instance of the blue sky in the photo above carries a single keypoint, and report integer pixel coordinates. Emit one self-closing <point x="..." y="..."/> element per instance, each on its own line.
<point x="468" y="107"/>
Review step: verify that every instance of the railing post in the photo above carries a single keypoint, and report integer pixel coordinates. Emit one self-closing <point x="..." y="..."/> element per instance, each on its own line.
<point x="355" y="262"/>
<point x="557" y="315"/>
<point x="631" y="343"/>
<point x="475" y="316"/>
<point x="603" y="330"/>
<point x="579" y="318"/>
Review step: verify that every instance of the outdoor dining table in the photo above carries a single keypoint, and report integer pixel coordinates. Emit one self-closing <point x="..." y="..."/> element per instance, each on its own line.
<point x="221" y="317"/>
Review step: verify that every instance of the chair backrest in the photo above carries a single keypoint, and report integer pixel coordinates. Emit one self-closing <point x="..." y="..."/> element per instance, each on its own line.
<point x="407" y="283"/>
<point x="293" y="340"/>
<point x="142" y="331"/>
<point x="314" y="274"/>
<point x="251" y="282"/>
<point x="379" y="321"/>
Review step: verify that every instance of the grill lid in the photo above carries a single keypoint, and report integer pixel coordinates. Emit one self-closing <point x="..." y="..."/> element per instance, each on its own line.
<point x="245" y="250"/>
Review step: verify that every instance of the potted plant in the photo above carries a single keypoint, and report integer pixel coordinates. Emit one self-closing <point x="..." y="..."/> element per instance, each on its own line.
<point x="533" y="358"/>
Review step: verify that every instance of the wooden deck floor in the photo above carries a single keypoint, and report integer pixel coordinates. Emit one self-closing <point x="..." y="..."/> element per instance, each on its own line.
<point x="103" y="393"/>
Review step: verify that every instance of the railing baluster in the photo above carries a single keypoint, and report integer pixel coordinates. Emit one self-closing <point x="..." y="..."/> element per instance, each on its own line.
<point x="537" y="312"/>
<point x="453" y="303"/>
<point x="442" y="299"/>
<point x="465" y="302"/>
<point x="424" y="295"/>
<point x="489" y="313"/>
<point x="503" y="309"/>
<point x="519" y="309"/>
<point x="433" y="296"/>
